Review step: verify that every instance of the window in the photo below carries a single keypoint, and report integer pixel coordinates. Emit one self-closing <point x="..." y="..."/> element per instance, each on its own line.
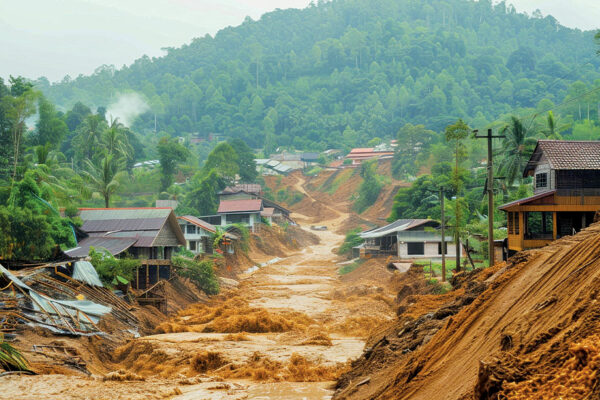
<point x="538" y="225"/>
<point x="192" y="245"/>
<point x="513" y="223"/>
<point x="445" y="248"/>
<point x="541" y="180"/>
<point x="415" y="249"/>
<point x="191" y="229"/>
<point x="516" y="222"/>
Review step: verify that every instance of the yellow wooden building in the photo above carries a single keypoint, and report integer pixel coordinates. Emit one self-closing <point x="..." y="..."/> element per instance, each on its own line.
<point x="566" y="194"/>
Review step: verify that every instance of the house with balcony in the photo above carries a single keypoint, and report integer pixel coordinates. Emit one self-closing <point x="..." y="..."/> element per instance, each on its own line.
<point x="199" y="235"/>
<point x="566" y="180"/>
<point x="407" y="239"/>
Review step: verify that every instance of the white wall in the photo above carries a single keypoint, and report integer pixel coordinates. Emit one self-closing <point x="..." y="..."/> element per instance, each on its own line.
<point x="431" y="251"/>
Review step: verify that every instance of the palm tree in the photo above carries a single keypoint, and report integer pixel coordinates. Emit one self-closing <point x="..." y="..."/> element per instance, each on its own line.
<point x="518" y="144"/>
<point x="553" y="128"/>
<point x="104" y="178"/>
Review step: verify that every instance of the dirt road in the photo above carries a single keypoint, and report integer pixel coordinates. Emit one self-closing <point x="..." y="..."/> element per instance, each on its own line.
<point x="326" y="328"/>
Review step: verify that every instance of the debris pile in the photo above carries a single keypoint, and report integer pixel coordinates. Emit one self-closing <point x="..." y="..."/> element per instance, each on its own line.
<point x="527" y="328"/>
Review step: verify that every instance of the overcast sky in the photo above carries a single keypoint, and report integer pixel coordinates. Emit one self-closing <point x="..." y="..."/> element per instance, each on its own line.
<point x="58" y="37"/>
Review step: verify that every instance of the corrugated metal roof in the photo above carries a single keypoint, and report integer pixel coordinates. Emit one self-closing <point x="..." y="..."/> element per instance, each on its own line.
<point x="396" y="226"/>
<point x="362" y="150"/>
<point x="252" y="188"/>
<point x="123" y="213"/>
<point x="130" y="224"/>
<point x="113" y="245"/>
<point x="232" y="206"/>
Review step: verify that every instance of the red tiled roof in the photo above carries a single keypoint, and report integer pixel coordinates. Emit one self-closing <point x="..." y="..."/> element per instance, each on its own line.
<point x="362" y="150"/>
<point x="241" y="206"/>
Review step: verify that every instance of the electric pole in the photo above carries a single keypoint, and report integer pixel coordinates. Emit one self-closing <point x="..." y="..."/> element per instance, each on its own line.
<point x="490" y="193"/>
<point x="443" y="235"/>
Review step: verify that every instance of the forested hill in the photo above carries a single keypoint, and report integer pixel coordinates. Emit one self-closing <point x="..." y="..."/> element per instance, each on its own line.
<point x="345" y="71"/>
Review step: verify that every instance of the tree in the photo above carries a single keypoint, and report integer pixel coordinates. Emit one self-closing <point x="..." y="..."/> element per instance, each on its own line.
<point x="246" y="163"/>
<point x="19" y="106"/>
<point x="203" y="192"/>
<point x="224" y="161"/>
<point x="456" y="134"/>
<point x="105" y="177"/>
<point x="517" y="148"/>
<point x="170" y="153"/>
<point x="553" y="127"/>
<point x="50" y="128"/>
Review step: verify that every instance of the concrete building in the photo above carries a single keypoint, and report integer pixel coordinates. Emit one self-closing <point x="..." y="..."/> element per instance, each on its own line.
<point x="407" y="239"/>
<point x="199" y="235"/>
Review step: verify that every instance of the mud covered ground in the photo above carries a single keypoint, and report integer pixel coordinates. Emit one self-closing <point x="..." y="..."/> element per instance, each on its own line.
<point x="287" y="331"/>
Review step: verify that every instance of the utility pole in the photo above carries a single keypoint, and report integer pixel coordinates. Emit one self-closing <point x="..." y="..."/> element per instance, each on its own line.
<point x="490" y="192"/>
<point x="443" y="235"/>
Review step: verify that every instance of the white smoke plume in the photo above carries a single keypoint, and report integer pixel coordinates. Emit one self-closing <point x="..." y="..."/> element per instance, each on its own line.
<point x="127" y="107"/>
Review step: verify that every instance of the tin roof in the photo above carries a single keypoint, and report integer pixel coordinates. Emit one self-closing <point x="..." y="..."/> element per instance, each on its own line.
<point x="396" y="226"/>
<point x="142" y="225"/>
<point x="113" y="245"/>
<point x="240" y="206"/>
<point x="252" y="188"/>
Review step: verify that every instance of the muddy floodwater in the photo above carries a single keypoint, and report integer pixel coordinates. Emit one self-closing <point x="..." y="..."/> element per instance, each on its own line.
<point x="322" y="331"/>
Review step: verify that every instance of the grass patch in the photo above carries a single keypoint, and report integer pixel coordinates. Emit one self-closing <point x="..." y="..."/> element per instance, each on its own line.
<point x="450" y="266"/>
<point x="346" y="269"/>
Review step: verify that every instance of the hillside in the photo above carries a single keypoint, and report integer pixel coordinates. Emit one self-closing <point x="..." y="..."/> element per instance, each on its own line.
<point x="342" y="72"/>
<point x="524" y="329"/>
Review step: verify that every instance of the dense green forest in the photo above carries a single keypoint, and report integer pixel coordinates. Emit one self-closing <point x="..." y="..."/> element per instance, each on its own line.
<point x="336" y="74"/>
<point x="345" y="71"/>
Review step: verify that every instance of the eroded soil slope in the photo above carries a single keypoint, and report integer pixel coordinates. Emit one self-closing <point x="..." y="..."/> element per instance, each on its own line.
<point x="527" y="329"/>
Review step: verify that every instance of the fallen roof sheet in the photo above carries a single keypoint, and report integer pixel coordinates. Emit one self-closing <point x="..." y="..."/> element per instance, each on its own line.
<point x="114" y="245"/>
<point x="84" y="271"/>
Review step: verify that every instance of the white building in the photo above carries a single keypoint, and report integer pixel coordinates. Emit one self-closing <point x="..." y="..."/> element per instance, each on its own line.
<point x="199" y="235"/>
<point x="407" y="239"/>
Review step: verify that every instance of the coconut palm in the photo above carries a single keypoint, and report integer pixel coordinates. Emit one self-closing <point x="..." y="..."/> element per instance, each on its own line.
<point x="10" y="358"/>
<point x="553" y="127"/>
<point x="105" y="177"/>
<point x="518" y="144"/>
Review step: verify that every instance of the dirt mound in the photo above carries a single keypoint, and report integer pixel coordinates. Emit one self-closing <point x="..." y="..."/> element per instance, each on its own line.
<point x="530" y="324"/>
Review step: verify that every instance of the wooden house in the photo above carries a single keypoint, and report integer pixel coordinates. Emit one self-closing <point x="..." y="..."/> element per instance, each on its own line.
<point x="566" y="179"/>
<point x="148" y="234"/>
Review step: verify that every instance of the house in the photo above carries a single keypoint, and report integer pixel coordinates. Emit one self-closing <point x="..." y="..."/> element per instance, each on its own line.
<point x="254" y="192"/>
<point x="407" y="239"/>
<point x="358" y="155"/>
<point x="199" y="235"/>
<point x="148" y="234"/>
<point x="244" y="211"/>
<point x="566" y="180"/>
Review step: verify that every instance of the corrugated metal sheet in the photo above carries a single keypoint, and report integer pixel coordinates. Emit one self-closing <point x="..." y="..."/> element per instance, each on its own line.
<point x="113" y="245"/>
<point x="129" y="224"/>
<point x="198" y="222"/>
<point x="123" y="213"/>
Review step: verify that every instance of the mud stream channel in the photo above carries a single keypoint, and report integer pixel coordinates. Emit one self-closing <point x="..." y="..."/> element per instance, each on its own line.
<point x="326" y="328"/>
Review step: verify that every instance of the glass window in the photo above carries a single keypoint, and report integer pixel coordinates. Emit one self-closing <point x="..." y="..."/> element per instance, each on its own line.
<point x="191" y="229"/>
<point x="541" y="180"/>
<point x="193" y="245"/>
<point x="415" y="248"/>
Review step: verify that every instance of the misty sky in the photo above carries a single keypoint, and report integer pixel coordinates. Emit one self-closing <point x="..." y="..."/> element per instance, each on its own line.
<point x="53" y="38"/>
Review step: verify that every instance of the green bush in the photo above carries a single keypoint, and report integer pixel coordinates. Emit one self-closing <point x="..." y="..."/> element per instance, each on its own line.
<point x="369" y="189"/>
<point x="202" y="273"/>
<point x="109" y="267"/>
<point x="346" y="269"/>
<point x="352" y="240"/>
